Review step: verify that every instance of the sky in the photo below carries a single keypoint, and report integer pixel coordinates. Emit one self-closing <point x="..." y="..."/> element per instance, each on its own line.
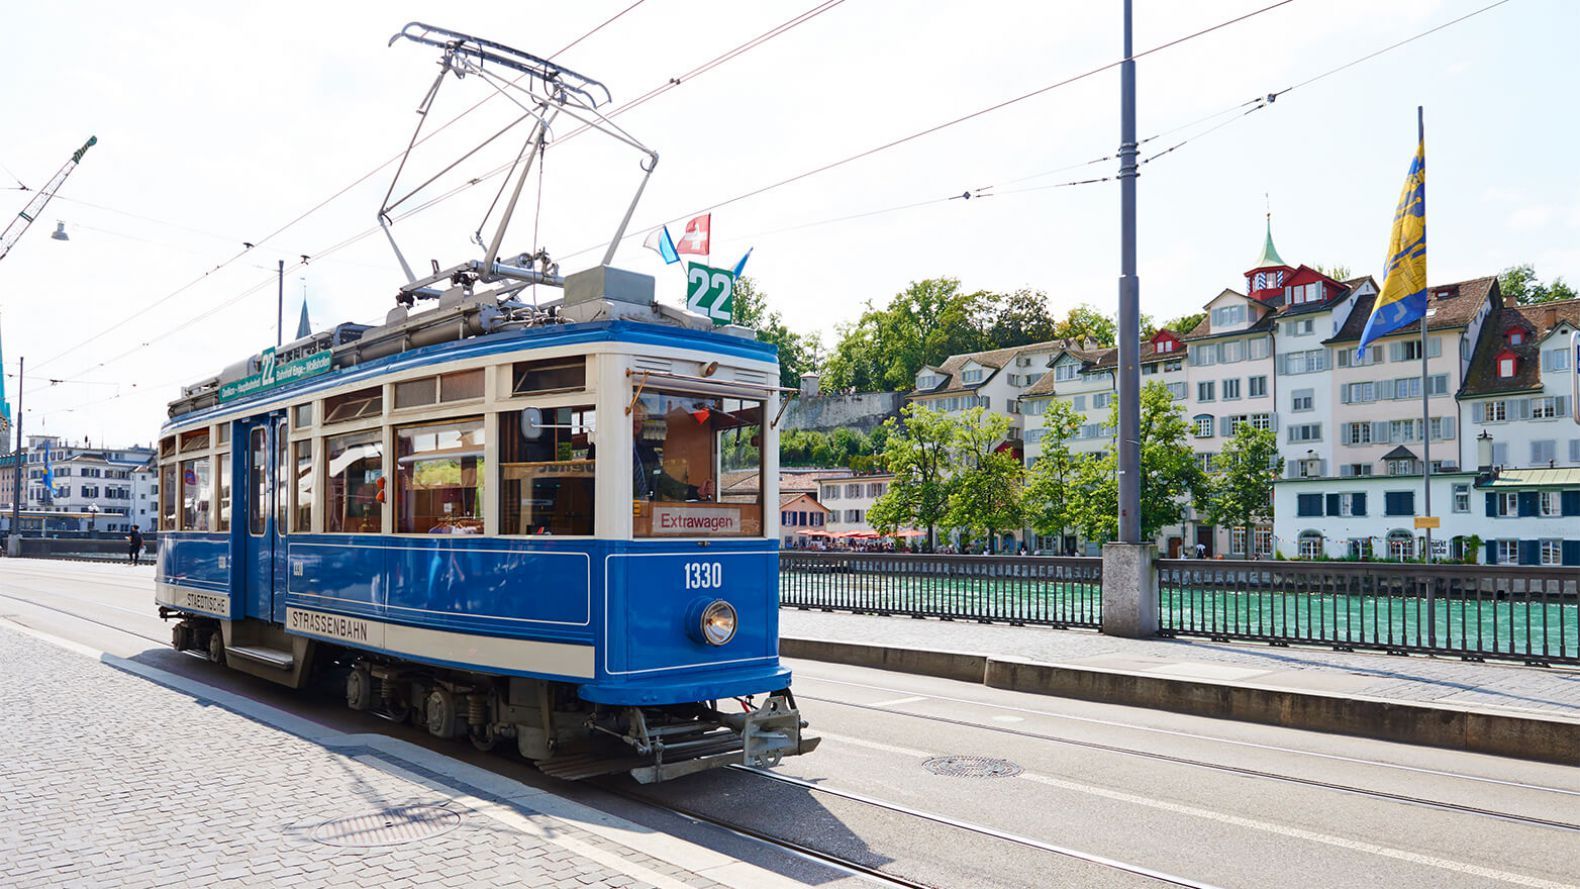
<point x="219" y="124"/>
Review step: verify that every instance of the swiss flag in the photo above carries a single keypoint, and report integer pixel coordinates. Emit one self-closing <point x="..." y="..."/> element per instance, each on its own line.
<point x="695" y="240"/>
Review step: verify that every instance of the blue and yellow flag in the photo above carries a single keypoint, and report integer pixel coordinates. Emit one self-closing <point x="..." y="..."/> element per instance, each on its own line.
<point x="1403" y="297"/>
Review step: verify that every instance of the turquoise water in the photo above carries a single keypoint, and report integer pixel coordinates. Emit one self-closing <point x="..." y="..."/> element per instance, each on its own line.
<point x="1509" y="628"/>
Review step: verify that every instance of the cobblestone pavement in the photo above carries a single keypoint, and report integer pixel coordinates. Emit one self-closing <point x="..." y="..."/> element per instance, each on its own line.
<point x="1417" y="678"/>
<point x="110" y="780"/>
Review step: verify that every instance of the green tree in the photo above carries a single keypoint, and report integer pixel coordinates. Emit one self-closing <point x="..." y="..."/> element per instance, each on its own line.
<point x="926" y="323"/>
<point x="1239" y="491"/>
<point x="1185" y="323"/>
<point x="1170" y="475"/>
<point x="984" y="496"/>
<point x="1019" y="318"/>
<point x="798" y="352"/>
<point x="1339" y="273"/>
<point x="1085" y="322"/>
<point x="917" y="453"/>
<point x="1050" y="501"/>
<point x="1520" y="287"/>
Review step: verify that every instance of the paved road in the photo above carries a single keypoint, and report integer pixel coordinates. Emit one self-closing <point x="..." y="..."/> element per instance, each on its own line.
<point x="1099" y="795"/>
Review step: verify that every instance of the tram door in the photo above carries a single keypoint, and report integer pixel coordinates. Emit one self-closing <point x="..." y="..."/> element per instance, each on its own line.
<point x="263" y="554"/>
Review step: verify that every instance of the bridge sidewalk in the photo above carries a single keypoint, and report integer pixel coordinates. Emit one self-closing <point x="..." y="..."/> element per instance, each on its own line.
<point x="1417" y="699"/>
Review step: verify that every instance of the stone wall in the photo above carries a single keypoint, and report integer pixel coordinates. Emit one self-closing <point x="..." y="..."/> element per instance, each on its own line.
<point x="824" y="413"/>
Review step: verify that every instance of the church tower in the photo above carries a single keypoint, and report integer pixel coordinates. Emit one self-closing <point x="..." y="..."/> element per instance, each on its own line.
<point x="1267" y="278"/>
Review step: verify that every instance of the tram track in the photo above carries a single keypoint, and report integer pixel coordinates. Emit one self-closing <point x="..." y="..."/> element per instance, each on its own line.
<point x="1441" y="805"/>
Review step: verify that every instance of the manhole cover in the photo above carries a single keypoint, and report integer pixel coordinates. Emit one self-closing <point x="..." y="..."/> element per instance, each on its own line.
<point x="387" y="827"/>
<point x="971" y="767"/>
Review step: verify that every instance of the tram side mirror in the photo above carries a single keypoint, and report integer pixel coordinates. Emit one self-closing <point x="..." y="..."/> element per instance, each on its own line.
<point x="531" y="423"/>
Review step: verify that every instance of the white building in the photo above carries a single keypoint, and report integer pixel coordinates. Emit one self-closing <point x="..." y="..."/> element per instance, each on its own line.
<point x="105" y="489"/>
<point x="848" y="497"/>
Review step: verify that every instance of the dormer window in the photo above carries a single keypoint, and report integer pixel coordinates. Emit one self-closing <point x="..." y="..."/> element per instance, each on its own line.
<point x="1506" y="366"/>
<point x="926" y="381"/>
<point x="1516" y="335"/>
<point x="1064" y="373"/>
<point x="1165" y="345"/>
<point x="1225" y="317"/>
<point x="974" y="375"/>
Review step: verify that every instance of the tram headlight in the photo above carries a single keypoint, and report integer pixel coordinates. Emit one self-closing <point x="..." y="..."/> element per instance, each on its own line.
<point x="714" y="621"/>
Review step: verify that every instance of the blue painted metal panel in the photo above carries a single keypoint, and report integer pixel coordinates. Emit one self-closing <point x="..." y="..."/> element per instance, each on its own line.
<point x="198" y="561"/>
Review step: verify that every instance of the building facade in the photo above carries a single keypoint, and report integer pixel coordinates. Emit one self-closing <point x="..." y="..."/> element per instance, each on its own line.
<point x="94" y="488"/>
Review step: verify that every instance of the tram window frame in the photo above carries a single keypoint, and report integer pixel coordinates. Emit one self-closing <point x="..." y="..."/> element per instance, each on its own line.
<point x="302" y="415"/>
<point x="168" y="472"/>
<point x="458" y="522"/>
<point x="516" y="519"/>
<point x="463" y="382"/>
<point x="362" y="404"/>
<point x="221" y="434"/>
<point x="195" y="440"/>
<point x="335" y="487"/>
<point x="257" y="480"/>
<point x="573" y="368"/>
<point x="303" y="482"/>
<point x="282" y="488"/>
<point x="222" y="499"/>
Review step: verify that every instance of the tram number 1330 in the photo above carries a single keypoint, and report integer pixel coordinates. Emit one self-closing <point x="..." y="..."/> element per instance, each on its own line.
<point x="704" y="575"/>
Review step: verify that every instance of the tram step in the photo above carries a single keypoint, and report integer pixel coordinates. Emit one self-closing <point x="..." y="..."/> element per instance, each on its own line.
<point x="283" y="660"/>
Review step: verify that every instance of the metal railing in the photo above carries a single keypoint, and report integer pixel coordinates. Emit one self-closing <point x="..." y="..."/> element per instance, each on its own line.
<point x="1524" y="613"/>
<point x="1060" y="592"/>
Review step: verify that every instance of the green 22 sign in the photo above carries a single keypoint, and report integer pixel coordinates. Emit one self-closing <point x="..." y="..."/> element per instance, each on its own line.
<point x="710" y="292"/>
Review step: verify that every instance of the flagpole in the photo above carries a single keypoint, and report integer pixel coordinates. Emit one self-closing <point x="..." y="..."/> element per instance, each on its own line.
<point x="1426" y="395"/>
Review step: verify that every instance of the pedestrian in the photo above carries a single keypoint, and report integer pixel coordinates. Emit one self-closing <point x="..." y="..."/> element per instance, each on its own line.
<point x="1201" y="550"/>
<point x="134" y="544"/>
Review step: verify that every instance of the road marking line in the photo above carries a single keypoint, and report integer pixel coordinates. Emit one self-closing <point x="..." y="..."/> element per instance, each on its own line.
<point x="1240" y="821"/>
<point x="1336" y="757"/>
<point x="898" y="701"/>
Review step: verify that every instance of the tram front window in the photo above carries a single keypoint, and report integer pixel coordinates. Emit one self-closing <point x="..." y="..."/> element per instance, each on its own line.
<point x="696" y="467"/>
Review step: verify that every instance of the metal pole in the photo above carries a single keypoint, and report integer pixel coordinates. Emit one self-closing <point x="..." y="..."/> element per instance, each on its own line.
<point x="1129" y="380"/>
<point x="1426" y="406"/>
<point x="15" y="548"/>
<point x="279" y="310"/>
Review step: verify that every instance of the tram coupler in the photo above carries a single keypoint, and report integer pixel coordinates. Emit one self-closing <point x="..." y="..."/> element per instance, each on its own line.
<point x="771" y="732"/>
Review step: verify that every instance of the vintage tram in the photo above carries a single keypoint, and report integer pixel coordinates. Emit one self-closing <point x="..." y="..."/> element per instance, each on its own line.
<point x="554" y="526"/>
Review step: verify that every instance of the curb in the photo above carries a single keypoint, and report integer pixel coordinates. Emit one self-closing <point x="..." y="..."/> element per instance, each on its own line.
<point x="1457" y="728"/>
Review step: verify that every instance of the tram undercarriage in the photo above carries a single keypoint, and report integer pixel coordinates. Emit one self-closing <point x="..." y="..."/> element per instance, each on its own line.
<point x="562" y="734"/>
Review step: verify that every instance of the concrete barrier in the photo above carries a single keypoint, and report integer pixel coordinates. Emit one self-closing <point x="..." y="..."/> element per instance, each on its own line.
<point x="1548" y="739"/>
<point x="963" y="666"/>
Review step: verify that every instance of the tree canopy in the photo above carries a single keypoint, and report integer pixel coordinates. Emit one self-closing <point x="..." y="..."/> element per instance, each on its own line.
<point x="1239" y="491"/>
<point x="1051" y="497"/>
<point x="985" y="488"/>
<point x="917" y="453"/>
<point x="1521" y="287"/>
<point x="1170" y="475"/>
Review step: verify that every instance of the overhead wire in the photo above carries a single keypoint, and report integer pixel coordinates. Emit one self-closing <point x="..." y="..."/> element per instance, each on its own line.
<point x="1249" y="107"/>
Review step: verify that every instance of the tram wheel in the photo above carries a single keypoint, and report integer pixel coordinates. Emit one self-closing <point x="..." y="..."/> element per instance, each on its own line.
<point x="216" y="647"/>
<point x="483" y="739"/>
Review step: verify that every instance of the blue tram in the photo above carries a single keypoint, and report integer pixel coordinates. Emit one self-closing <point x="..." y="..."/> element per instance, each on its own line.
<point x="553" y="526"/>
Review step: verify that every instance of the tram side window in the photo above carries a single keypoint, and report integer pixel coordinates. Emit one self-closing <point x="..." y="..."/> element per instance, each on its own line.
<point x="546" y="470"/>
<point x="439" y="472"/>
<point x="222" y="517"/>
<point x="548" y="375"/>
<point x="196" y="440"/>
<point x="303" y="516"/>
<point x="354" y="405"/>
<point x="354" y="495"/>
<point x="195" y="493"/>
<point x="693" y="460"/>
<point x="167" y="497"/>
<point x="258" y="482"/>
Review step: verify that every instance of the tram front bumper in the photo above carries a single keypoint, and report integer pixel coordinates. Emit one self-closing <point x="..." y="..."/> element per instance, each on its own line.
<point x="764" y="736"/>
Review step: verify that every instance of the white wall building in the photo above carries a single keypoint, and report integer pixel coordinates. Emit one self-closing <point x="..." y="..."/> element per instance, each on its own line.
<point x="848" y="498"/>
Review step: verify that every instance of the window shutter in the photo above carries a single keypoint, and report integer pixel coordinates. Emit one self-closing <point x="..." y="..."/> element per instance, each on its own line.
<point x="1434" y="346"/>
<point x="1344" y="393"/>
<point x="1500" y="453"/>
<point x="1530" y="552"/>
<point x="1384" y="390"/>
<point x="1333" y="504"/>
<point x="1528" y="503"/>
<point x="1569" y="503"/>
<point x="1346" y="470"/>
<point x="1492" y="550"/>
<point x="1563" y="405"/>
<point x="1574" y="450"/>
<point x="1478" y="411"/>
<point x="1358" y="504"/>
<point x="1522" y="409"/>
<point x="1448" y="427"/>
<point x="1571" y="552"/>
<point x="1224" y="424"/>
<point x="1379" y="432"/>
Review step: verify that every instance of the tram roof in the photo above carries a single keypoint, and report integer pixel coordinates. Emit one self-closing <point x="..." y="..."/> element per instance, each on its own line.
<point x="494" y="344"/>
